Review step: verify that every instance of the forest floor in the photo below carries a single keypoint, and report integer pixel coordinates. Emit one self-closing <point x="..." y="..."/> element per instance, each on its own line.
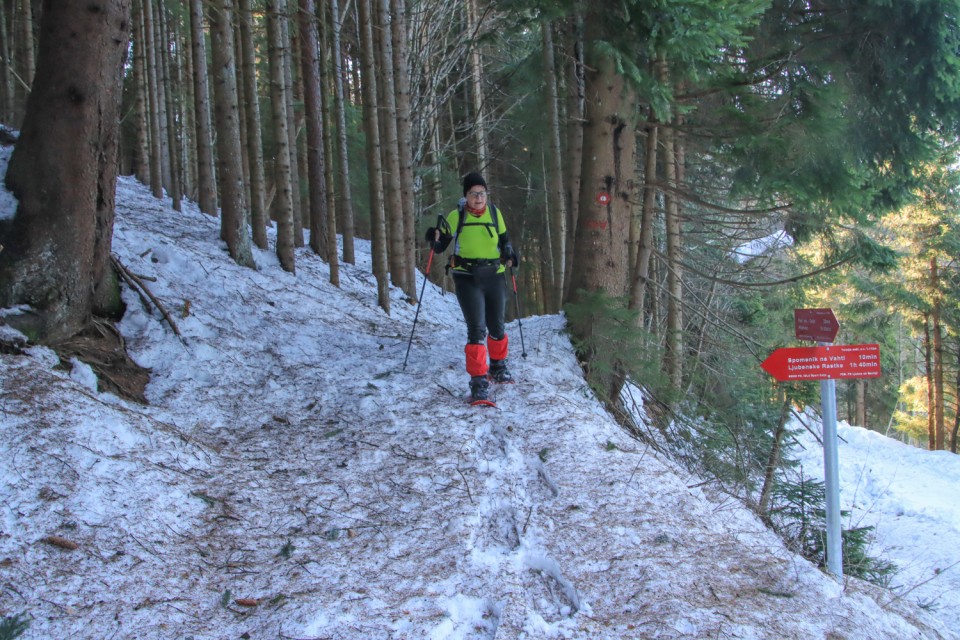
<point x="289" y="478"/>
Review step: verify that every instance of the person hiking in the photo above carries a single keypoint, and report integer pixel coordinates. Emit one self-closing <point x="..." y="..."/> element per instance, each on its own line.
<point x="481" y="254"/>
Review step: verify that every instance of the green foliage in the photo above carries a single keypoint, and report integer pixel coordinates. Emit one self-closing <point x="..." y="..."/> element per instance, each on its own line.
<point x="610" y="345"/>
<point x="13" y="626"/>
<point x="799" y="516"/>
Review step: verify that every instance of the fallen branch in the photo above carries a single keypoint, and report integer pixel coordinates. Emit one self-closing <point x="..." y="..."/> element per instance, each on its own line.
<point x="136" y="283"/>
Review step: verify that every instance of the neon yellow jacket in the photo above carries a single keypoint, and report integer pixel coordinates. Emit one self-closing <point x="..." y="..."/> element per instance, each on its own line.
<point x="479" y="238"/>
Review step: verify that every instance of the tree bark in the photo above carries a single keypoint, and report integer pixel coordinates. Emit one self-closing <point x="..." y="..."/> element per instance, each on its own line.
<point x="7" y="84"/>
<point x="233" y="220"/>
<point x="316" y="163"/>
<point x="401" y="79"/>
<point x="600" y="251"/>
<point x="254" y="148"/>
<point x="673" y="353"/>
<point x="574" y="136"/>
<point x="293" y="126"/>
<point x="391" y="151"/>
<point x="206" y="183"/>
<point x="170" y="109"/>
<point x="640" y="270"/>
<point x="141" y="161"/>
<point x="158" y="52"/>
<point x="378" y="237"/>
<point x="935" y="318"/>
<point x="283" y="210"/>
<point x="558" y="207"/>
<point x="956" y="413"/>
<point x="476" y="77"/>
<point x="332" y="255"/>
<point x="931" y="402"/>
<point x="56" y="256"/>
<point x="153" y="110"/>
<point x="345" y="202"/>
<point x="25" y="55"/>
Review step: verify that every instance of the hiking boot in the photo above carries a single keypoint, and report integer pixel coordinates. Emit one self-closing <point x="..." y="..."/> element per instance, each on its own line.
<point x="499" y="371"/>
<point x="479" y="388"/>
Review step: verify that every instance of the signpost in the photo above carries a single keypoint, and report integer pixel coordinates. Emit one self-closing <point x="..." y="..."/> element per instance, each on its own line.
<point x="819" y="325"/>
<point x="826" y="363"/>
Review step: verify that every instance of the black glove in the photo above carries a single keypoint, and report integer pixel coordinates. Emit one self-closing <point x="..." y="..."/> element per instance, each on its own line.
<point x="438" y="246"/>
<point x="507" y="253"/>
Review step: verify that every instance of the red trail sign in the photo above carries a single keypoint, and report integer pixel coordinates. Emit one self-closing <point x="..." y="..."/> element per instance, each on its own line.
<point x="819" y="325"/>
<point x="834" y="362"/>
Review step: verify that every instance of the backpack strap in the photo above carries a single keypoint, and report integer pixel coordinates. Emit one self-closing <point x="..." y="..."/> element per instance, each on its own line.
<point x="461" y="222"/>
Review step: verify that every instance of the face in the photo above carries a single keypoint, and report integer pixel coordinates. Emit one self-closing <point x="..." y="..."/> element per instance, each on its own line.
<point x="476" y="196"/>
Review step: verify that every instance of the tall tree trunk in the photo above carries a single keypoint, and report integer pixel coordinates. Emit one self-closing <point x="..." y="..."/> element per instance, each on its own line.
<point x="574" y="137"/>
<point x="345" y="202"/>
<point x="293" y="120"/>
<point x="401" y="79"/>
<point x="316" y="163"/>
<point x="159" y="53"/>
<point x="325" y="107"/>
<point x="206" y="184"/>
<point x="141" y="161"/>
<point x="935" y="318"/>
<point x="25" y="55"/>
<point x="374" y="169"/>
<point x="7" y="84"/>
<point x="640" y="275"/>
<point x="558" y="203"/>
<point x="170" y="107"/>
<point x="673" y="356"/>
<point x="233" y="220"/>
<point x="476" y="77"/>
<point x="283" y="209"/>
<point x="254" y="148"/>
<point x="63" y="172"/>
<point x="931" y="401"/>
<point x="391" y="151"/>
<point x="600" y="253"/>
<point x="956" y="412"/>
<point x="242" y="100"/>
<point x="186" y="109"/>
<point x="153" y="93"/>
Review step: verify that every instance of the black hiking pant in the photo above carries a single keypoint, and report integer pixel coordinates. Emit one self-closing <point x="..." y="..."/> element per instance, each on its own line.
<point x="482" y="295"/>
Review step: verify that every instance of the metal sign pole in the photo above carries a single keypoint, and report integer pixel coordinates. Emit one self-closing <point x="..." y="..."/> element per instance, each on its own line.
<point x="831" y="472"/>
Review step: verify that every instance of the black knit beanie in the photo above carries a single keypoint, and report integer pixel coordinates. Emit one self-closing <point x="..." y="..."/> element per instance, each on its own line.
<point x="472" y="180"/>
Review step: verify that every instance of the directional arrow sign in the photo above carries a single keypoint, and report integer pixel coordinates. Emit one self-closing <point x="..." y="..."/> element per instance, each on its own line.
<point x="819" y="325"/>
<point x="834" y="362"/>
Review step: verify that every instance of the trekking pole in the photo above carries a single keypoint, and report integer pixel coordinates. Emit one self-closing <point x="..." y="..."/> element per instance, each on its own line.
<point x="426" y="276"/>
<point x="516" y="298"/>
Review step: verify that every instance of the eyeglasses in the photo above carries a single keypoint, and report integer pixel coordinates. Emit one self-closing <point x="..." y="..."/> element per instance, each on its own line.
<point x="477" y="194"/>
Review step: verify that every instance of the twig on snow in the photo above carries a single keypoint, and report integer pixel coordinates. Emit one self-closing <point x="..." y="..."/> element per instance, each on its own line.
<point x="136" y="283"/>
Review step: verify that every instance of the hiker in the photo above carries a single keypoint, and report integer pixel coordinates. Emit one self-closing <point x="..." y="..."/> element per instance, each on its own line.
<point x="481" y="254"/>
